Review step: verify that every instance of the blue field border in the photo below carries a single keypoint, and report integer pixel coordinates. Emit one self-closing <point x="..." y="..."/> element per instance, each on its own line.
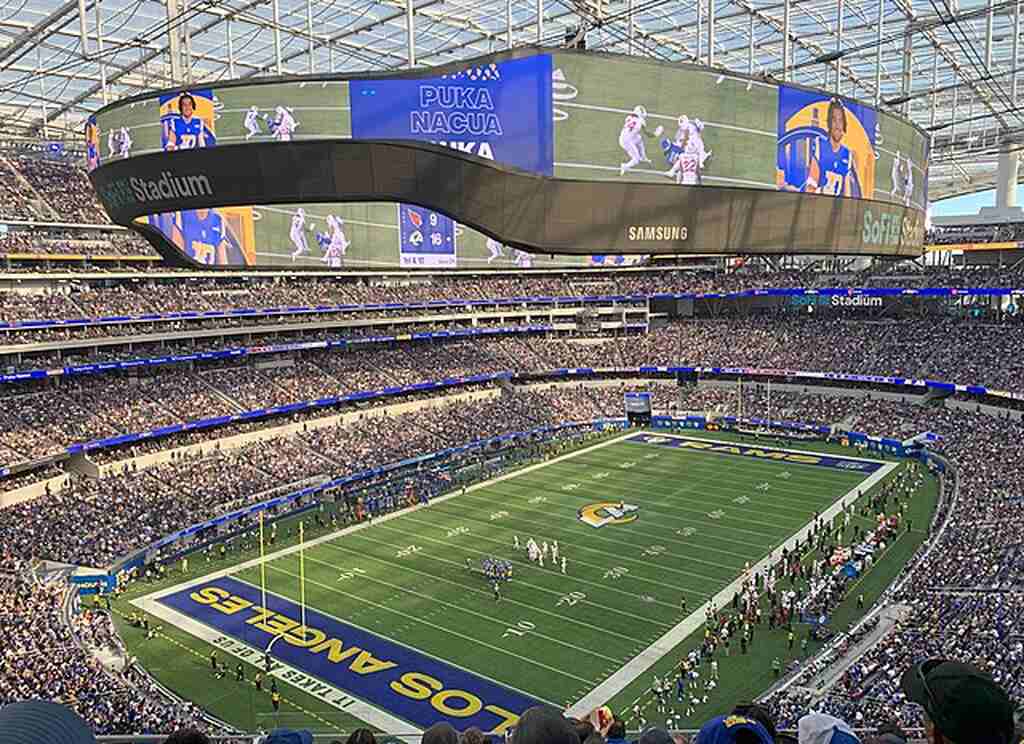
<point x="771" y="454"/>
<point x="411" y="685"/>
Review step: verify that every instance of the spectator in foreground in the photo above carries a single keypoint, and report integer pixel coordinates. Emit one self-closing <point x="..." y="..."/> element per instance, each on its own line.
<point x="440" y="733"/>
<point x="361" y="736"/>
<point x="187" y="736"/>
<point x="962" y="704"/>
<point x="617" y="732"/>
<point x="473" y="735"/>
<point x="42" y="722"/>
<point x="543" y="724"/>
<point x="820" y="728"/>
<point x="733" y="729"/>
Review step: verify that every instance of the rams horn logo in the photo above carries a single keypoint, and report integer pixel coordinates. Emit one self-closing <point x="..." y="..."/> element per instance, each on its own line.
<point x="608" y="512"/>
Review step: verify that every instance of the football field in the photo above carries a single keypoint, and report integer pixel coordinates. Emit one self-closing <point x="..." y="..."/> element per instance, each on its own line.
<point x="402" y="628"/>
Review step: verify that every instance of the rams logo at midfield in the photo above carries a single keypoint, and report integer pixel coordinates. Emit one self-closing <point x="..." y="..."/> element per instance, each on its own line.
<point x="608" y="512"/>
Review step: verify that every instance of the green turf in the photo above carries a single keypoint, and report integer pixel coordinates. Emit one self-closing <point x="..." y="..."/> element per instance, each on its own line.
<point x="623" y="586"/>
<point x="740" y="129"/>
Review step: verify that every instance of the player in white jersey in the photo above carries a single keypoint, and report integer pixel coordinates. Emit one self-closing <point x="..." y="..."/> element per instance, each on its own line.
<point x="125" y="143"/>
<point x="338" y="247"/>
<point x="297" y="234"/>
<point x="252" y="122"/>
<point x="902" y="179"/>
<point x="496" y="248"/>
<point x="284" y="125"/>
<point x="554" y="551"/>
<point x="690" y="160"/>
<point x="523" y="259"/>
<point x="631" y="139"/>
<point x="112" y="143"/>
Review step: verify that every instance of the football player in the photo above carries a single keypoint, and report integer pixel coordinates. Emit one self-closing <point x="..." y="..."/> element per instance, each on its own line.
<point x="252" y="122"/>
<point x="125" y="143"/>
<point x="186" y="131"/>
<point x="631" y="139"/>
<point x="297" y="235"/>
<point x="834" y="169"/>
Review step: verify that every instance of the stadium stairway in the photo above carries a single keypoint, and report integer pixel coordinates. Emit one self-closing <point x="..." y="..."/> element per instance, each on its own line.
<point x="37" y="202"/>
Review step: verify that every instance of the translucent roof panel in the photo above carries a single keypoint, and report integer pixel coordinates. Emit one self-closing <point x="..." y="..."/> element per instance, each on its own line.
<point x="951" y="67"/>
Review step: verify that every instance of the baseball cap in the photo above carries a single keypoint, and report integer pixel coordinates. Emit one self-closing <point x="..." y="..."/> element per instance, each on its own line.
<point x="731" y="729"/>
<point x="544" y="724"/>
<point x="655" y="736"/>
<point x="43" y="722"/>
<point x="819" y="728"/>
<point x="963" y="702"/>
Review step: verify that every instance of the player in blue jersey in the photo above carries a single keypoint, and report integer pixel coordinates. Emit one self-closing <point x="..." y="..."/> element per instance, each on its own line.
<point x="92" y="150"/>
<point x="202" y="237"/>
<point x="834" y="169"/>
<point x="186" y="131"/>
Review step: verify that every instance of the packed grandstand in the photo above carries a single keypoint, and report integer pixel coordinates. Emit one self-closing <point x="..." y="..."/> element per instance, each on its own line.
<point x="160" y="426"/>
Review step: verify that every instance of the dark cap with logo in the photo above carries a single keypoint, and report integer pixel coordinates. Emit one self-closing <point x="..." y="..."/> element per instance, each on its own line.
<point x="42" y="722"/>
<point x="963" y="702"/>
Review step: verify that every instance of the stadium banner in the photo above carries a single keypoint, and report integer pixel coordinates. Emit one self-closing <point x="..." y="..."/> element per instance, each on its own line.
<point x="550" y="113"/>
<point x="88" y="584"/>
<point x="937" y="292"/>
<point x="531" y="213"/>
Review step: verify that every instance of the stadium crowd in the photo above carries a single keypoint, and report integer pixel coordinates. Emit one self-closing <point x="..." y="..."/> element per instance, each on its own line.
<point x="951" y="607"/>
<point x="41" y="422"/>
<point x="43" y="190"/>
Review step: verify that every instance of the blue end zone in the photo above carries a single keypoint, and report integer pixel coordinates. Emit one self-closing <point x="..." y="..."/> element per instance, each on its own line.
<point x="395" y="678"/>
<point x="761" y="453"/>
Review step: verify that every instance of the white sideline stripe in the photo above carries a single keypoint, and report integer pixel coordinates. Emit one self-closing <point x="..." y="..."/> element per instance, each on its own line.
<point x="764" y="447"/>
<point x="361" y="709"/>
<point x="339" y="698"/>
<point x="647" y="658"/>
<point x="652" y="172"/>
<point x="238" y="568"/>
<point x="668" y="117"/>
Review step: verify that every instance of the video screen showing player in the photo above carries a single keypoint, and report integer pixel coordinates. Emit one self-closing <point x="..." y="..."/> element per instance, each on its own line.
<point x="631" y="139"/>
<point x="826" y="145"/>
<point x="186" y="129"/>
<point x="685" y="153"/>
<point x="902" y="180"/>
<point x="834" y="169"/>
<point x="203" y="236"/>
<point x="92" y="144"/>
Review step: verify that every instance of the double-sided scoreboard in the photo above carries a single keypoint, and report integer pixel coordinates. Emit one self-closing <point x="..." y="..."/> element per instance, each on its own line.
<point x="492" y="161"/>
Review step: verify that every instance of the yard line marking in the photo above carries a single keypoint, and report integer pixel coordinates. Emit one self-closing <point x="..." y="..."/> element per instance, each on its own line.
<point x="664" y="645"/>
<point x="489" y="618"/>
<point x="604" y="587"/>
<point x="435" y="626"/>
<point x="504" y="598"/>
<point x="360" y="709"/>
<point x="364" y="525"/>
<point x="667" y="117"/>
<point x="632" y="543"/>
<point x="652" y="172"/>
<point x="698" y="510"/>
<point x="577" y="546"/>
